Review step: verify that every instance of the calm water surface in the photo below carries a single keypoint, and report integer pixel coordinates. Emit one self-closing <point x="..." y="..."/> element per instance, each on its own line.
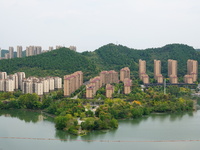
<point x="156" y="127"/>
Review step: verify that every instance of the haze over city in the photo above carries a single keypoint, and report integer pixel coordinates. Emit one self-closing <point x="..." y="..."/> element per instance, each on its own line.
<point x="90" y="24"/>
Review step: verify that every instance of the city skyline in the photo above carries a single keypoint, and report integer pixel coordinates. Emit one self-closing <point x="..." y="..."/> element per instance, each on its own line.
<point x="90" y="24"/>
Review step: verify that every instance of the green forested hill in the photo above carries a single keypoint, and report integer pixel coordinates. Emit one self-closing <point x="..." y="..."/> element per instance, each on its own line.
<point x="115" y="57"/>
<point x="55" y="63"/>
<point x="64" y="61"/>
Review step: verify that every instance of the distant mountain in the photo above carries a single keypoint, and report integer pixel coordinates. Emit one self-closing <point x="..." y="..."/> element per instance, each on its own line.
<point x="110" y="56"/>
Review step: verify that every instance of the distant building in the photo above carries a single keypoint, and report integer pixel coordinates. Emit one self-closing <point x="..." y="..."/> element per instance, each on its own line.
<point x="19" y="51"/>
<point x="172" y="71"/>
<point x="107" y="77"/>
<point x="127" y="85"/>
<point x="157" y="71"/>
<point x="50" y="48"/>
<point x="72" y="48"/>
<point x="90" y="91"/>
<point x="11" y="52"/>
<point x="192" y="69"/>
<point x="109" y="90"/>
<point x="7" y="56"/>
<point x="2" y="85"/>
<point x="38" y="88"/>
<point x="142" y="72"/>
<point x="21" y="77"/>
<point x="142" y="68"/>
<point x="58" y="83"/>
<point x="124" y="73"/>
<point x="72" y="82"/>
<point x="3" y="75"/>
<point x="9" y="85"/>
<point x="92" y="88"/>
<point x="14" y="77"/>
<point x="188" y="79"/>
<point x="58" y="46"/>
<point x="38" y="50"/>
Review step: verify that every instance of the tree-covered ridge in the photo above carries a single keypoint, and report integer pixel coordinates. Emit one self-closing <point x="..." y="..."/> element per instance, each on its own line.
<point x="117" y="56"/>
<point x="55" y="63"/>
<point x="109" y="57"/>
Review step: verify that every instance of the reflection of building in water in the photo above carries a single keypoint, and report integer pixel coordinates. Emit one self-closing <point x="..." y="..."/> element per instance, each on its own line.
<point x="41" y="117"/>
<point x="7" y="115"/>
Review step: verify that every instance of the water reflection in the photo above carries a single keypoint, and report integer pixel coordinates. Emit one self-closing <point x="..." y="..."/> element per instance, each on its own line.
<point x="27" y="116"/>
<point x="64" y="136"/>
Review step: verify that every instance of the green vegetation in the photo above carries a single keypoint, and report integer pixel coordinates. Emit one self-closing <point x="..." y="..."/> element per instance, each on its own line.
<point x="64" y="61"/>
<point x="117" y="56"/>
<point x="76" y="116"/>
<point x="55" y="63"/>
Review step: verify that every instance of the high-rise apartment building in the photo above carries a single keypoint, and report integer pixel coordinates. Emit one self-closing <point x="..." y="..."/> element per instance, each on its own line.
<point x="142" y="72"/>
<point x="109" y="90"/>
<point x="124" y="73"/>
<point x="172" y="71"/>
<point x="7" y="56"/>
<point x="9" y="85"/>
<point x="192" y="69"/>
<point x="142" y="68"/>
<point x="107" y="77"/>
<point x="172" y="67"/>
<point x="3" y="75"/>
<point x="73" y="48"/>
<point x="19" y="51"/>
<point x="58" y="83"/>
<point x="50" y="48"/>
<point x="72" y="82"/>
<point x="21" y="76"/>
<point x="127" y="85"/>
<point x="11" y="52"/>
<point x="188" y="79"/>
<point x="157" y="71"/>
<point x="37" y="50"/>
<point x="38" y="88"/>
<point x="14" y="77"/>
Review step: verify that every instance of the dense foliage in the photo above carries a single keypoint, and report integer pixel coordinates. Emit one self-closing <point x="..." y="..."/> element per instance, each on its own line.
<point x="117" y="56"/>
<point x="55" y="63"/>
<point x="64" y="61"/>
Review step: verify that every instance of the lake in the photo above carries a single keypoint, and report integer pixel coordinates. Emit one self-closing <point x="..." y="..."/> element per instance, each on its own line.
<point x="26" y="130"/>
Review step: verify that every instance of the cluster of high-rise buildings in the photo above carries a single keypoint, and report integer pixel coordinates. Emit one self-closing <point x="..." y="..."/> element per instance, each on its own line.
<point x="30" y="51"/>
<point x="41" y="86"/>
<point x="189" y="78"/>
<point x="105" y="78"/>
<point x="18" y="81"/>
<point x="72" y="82"/>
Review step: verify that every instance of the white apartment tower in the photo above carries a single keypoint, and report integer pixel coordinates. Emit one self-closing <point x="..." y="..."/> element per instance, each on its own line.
<point x="19" y="51"/>
<point x="3" y="75"/>
<point x="11" y="52"/>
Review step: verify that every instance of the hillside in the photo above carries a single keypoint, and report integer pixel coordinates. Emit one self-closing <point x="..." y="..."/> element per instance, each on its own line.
<point x="117" y="56"/>
<point x="64" y="61"/>
<point x="55" y="63"/>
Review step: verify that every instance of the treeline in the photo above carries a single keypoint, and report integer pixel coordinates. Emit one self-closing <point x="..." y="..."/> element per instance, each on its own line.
<point x="117" y="56"/>
<point x="55" y="63"/>
<point x="77" y="116"/>
<point x="64" y="61"/>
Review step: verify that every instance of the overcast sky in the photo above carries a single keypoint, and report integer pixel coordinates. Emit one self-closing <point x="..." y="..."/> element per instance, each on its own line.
<point x="89" y="24"/>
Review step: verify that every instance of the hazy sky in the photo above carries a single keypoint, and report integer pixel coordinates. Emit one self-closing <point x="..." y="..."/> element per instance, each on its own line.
<point x="89" y="24"/>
